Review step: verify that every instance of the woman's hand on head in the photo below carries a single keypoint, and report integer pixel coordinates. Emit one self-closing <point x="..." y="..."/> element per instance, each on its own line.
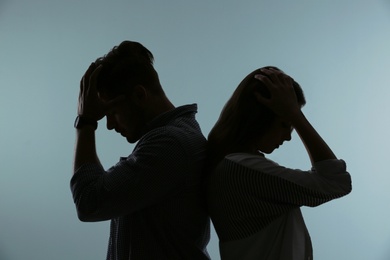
<point x="283" y="100"/>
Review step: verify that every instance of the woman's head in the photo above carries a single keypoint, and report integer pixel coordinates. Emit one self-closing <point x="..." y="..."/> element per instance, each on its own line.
<point x="243" y="119"/>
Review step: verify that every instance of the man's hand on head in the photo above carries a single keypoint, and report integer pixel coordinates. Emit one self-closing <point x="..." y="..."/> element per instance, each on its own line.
<point x="90" y="105"/>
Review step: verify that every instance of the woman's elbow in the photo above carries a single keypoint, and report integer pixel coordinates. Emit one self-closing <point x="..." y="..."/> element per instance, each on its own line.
<point x="84" y="214"/>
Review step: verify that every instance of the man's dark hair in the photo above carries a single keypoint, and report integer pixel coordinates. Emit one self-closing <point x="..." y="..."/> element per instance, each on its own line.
<point x="125" y="66"/>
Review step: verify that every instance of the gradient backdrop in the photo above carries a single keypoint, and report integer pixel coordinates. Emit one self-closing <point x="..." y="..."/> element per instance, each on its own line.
<point x="339" y="51"/>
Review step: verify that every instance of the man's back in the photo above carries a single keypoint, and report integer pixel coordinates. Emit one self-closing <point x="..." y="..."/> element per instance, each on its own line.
<point x="154" y="197"/>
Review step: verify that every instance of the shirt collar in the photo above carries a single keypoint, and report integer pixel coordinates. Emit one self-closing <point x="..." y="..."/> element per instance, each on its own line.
<point x="166" y="117"/>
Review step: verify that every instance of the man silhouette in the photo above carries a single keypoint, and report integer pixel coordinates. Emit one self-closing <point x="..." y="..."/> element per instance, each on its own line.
<point x="153" y="197"/>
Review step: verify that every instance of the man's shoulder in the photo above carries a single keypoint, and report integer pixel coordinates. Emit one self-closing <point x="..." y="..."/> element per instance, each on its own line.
<point x="175" y="133"/>
<point x="177" y="127"/>
<point x="171" y="144"/>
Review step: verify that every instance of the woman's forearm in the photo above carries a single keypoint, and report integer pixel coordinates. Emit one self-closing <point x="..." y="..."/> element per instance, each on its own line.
<point x="316" y="147"/>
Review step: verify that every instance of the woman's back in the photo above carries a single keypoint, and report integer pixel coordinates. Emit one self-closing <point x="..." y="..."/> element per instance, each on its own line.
<point x="255" y="203"/>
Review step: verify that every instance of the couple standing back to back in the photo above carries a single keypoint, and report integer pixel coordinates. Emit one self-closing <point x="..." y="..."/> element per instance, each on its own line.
<point x="156" y="198"/>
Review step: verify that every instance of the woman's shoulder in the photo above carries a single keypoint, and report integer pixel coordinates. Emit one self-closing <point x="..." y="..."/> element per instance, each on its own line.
<point x="249" y="159"/>
<point x="245" y="157"/>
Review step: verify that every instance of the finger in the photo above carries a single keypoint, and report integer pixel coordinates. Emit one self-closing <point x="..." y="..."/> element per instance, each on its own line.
<point x="93" y="78"/>
<point x="273" y="68"/>
<point x="260" y="77"/>
<point x="271" y="71"/>
<point x="285" y="80"/>
<point x="263" y="78"/>
<point x="277" y="76"/>
<point x="261" y="99"/>
<point x="85" y="79"/>
<point x="270" y="74"/>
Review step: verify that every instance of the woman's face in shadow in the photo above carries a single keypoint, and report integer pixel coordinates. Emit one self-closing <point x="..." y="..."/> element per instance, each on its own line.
<point x="278" y="132"/>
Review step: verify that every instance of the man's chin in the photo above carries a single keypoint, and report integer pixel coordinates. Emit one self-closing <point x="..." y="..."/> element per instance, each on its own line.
<point x="131" y="140"/>
<point x="267" y="151"/>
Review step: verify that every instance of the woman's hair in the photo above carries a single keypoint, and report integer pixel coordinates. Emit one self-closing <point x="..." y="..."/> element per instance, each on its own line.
<point x="243" y="118"/>
<point x="126" y="66"/>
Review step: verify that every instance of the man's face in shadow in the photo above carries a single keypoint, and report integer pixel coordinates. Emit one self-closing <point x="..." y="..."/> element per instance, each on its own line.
<point x="126" y="118"/>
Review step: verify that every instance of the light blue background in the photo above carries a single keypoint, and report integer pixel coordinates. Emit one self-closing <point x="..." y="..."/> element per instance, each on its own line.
<point x="339" y="51"/>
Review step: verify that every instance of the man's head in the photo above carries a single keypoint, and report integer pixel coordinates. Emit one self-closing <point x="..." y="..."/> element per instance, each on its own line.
<point x="124" y="67"/>
<point x="127" y="71"/>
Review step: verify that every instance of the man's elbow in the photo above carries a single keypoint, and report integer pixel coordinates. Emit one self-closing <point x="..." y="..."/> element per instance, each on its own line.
<point x="84" y="217"/>
<point x="86" y="209"/>
<point x="88" y="216"/>
<point x="84" y="214"/>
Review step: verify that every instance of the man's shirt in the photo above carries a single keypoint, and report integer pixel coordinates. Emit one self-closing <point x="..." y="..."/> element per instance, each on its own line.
<point x="154" y="197"/>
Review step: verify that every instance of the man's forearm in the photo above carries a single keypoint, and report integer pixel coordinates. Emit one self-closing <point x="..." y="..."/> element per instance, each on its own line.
<point x="85" y="148"/>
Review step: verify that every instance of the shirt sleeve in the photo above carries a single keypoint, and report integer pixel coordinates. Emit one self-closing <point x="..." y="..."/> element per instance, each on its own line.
<point x="269" y="181"/>
<point x="156" y="169"/>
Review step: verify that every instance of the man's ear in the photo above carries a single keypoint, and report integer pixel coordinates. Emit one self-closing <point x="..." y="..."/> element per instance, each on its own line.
<point x="140" y="95"/>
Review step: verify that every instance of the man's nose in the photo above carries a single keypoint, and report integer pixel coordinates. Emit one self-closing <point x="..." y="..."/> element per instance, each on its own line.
<point x="110" y="122"/>
<point x="287" y="136"/>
